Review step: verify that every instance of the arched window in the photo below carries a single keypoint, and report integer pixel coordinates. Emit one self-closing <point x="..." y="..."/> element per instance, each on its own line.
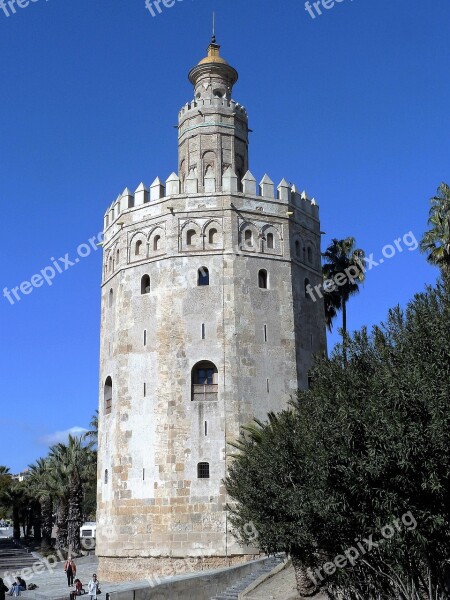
<point x="204" y="381"/>
<point x="297" y="248"/>
<point x="262" y="279"/>
<point x="191" y="237"/>
<point x="107" y="395"/>
<point x="248" y="237"/>
<point x="110" y="263"/>
<point x="117" y="258"/>
<point x="310" y="254"/>
<point x="203" y="276"/>
<point x="270" y="241"/>
<point x="213" y="236"/>
<point x="145" y="284"/>
<point x="203" y="470"/>
<point x="106" y="476"/>
<point x="110" y="297"/>
<point x="138" y="248"/>
<point x="307" y="288"/>
<point x="157" y="242"/>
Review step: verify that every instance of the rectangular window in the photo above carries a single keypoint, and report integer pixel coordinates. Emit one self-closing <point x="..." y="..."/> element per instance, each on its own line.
<point x="145" y="337"/>
<point x="265" y="333"/>
<point x="203" y="331"/>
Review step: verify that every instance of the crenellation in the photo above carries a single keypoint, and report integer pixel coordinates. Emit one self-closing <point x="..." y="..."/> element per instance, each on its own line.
<point x="141" y="195"/>
<point x="126" y="200"/>
<point x="157" y="190"/>
<point x="284" y="191"/>
<point x="267" y="187"/>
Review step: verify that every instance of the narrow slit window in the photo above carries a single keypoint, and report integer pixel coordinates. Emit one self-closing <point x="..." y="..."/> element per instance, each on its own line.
<point x="212" y="236"/>
<point x="107" y="395"/>
<point x="157" y="242"/>
<point x="265" y="333"/>
<point x="248" y="237"/>
<point x="262" y="279"/>
<point x="191" y="237"/>
<point x="138" y="248"/>
<point x="106" y="476"/>
<point x="270" y="241"/>
<point x="143" y="474"/>
<point x="267" y="384"/>
<point x="111" y="298"/>
<point x="145" y="337"/>
<point x="145" y="285"/>
<point x="203" y="470"/>
<point x="203" y="276"/>
<point x="203" y="331"/>
<point x="206" y="428"/>
<point x="145" y="390"/>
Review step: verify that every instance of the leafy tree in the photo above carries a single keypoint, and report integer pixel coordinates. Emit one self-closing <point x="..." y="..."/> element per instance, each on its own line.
<point x="366" y="445"/>
<point x="436" y="241"/>
<point x="342" y="257"/>
<point x="40" y="485"/>
<point x="72" y="465"/>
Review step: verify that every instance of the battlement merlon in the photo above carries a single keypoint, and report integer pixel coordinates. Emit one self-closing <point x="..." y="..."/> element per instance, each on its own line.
<point x="286" y="201"/>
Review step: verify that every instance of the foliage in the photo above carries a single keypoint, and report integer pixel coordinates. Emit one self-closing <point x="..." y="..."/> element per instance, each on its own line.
<point x="59" y="489"/>
<point x="436" y="241"/>
<point x="368" y="443"/>
<point x="341" y="257"/>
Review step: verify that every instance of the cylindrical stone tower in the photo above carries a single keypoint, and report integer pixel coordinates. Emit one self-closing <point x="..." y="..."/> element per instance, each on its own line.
<point x="205" y="324"/>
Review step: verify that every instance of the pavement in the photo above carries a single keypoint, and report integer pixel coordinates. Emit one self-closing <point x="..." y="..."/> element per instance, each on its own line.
<point x="279" y="587"/>
<point x="52" y="582"/>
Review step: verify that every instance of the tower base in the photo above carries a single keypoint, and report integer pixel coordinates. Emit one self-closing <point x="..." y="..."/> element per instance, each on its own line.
<point x="116" y="569"/>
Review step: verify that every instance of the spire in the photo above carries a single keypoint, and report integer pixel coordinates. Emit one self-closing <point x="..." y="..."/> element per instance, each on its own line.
<point x="213" y="37"/>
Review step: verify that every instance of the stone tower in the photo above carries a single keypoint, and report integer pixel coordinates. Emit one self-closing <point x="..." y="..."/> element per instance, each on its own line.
<point x="205" y="324"/>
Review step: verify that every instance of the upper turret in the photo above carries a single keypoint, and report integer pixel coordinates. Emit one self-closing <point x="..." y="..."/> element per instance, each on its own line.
<point x="213" y="77"/>
<point x="213" y="129"/>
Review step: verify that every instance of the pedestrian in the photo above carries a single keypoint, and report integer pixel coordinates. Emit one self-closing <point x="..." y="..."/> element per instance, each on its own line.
<point x="3" y="589"/>
<point x="15" y="588"/>
<point x="93" y="587"/>
<point x="71" y="570"/>
<point x="22" y="584"/>
<point x="78" y="589"/>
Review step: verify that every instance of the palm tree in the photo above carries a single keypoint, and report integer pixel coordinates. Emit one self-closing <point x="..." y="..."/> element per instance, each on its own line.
<point x="74" y="461"/>
<point x="92" y="434"/>
<point x="40" y="485"/>
<point x="343" y="263"/>
<point x="436" y="241"/>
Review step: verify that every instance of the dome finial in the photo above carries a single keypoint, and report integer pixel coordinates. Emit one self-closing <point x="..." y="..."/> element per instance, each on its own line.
<point x="213" y="38"/>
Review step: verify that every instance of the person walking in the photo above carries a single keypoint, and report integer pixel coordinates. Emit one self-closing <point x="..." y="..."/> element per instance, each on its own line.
<point x="93" y="587"/>
<point x="3" y="589"/>
<point x="71" y="570"/>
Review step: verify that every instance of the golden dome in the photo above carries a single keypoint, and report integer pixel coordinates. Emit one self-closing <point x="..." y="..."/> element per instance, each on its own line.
<point x="213" y="55"/>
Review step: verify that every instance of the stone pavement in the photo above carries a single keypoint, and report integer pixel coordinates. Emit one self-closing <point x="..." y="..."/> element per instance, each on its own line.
<point x="279" y="587"/>
<point x="52" y="583"/>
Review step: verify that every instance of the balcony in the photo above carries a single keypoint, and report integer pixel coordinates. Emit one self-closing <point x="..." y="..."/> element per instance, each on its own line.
<point x="204" y="393"/>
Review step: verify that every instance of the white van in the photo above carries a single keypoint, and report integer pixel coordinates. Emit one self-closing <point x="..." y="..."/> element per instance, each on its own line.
<point x="87" y="535"/>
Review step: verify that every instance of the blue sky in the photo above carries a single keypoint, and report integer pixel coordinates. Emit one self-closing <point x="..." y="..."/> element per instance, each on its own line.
<point x="352" y="105"/>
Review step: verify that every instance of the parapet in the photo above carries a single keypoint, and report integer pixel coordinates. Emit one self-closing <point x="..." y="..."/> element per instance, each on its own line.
<point x="213" y="103"/>
<point x="285" y="193"/>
